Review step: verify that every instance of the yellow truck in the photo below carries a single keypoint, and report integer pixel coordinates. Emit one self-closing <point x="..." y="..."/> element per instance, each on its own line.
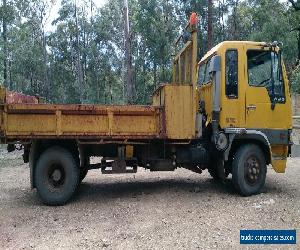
<point x="229" y="113"/>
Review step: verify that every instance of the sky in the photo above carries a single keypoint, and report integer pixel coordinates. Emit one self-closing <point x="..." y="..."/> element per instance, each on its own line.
<point x="54" y="11"/>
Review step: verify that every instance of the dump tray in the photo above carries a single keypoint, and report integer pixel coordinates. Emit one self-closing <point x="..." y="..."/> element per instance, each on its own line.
<point x="21" y="121"/>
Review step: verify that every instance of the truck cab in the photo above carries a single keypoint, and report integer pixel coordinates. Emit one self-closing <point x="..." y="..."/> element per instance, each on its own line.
<point x="255" y="101"/>
<point x="244" y="102"/>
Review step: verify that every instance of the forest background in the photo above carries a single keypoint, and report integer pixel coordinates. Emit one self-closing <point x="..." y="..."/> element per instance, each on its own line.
<point x="80" y="58"/>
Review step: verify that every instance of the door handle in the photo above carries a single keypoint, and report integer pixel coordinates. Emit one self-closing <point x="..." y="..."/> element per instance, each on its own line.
<point x="251" y="107"/>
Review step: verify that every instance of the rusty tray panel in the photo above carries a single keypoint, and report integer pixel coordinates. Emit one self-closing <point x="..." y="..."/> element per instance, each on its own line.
<point x="30" y="121"/>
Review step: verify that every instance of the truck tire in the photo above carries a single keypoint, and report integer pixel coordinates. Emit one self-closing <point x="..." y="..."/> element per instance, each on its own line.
<point x="56" y="176"/>
<point x="249" y="170"/>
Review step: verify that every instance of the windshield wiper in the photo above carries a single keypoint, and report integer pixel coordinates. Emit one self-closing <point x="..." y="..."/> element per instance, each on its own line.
<point x="264" y="81"/>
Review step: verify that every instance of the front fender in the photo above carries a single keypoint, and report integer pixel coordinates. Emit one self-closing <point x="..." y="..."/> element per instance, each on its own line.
<point x="276" y="155"/>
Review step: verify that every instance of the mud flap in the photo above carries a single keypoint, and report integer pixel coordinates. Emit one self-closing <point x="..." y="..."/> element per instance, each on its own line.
<point x="279" y="165"/>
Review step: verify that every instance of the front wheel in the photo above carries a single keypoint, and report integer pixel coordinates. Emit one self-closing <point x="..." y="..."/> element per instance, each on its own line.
<point x="249" y="170"/>
<point x="56" y="176"/>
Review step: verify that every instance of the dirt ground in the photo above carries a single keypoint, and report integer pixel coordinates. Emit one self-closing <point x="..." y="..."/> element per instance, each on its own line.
<point x="177" y="210"/>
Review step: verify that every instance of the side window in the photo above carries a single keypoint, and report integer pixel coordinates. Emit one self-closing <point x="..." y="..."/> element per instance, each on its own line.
<point x="207" y="75"/>
<point x="265" y="70"/>
<point x="201" y="75"/>
<point x="232" y="74"/>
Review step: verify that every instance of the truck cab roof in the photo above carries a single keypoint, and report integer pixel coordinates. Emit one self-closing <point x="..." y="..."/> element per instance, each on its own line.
<point x="230" y="44"/>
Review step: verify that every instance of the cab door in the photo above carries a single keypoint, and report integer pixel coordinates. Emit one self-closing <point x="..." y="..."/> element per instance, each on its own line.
<point x="267" y="105"/>
<point x="233" y="92"/>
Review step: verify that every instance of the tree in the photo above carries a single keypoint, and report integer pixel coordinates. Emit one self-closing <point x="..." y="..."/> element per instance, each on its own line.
<point x="209" y="24"/>
<point x="296" y="6"/>
<point x="4" y="35"/>
<point x="130" y="95"/>
<point x="82" y="59"/>
<point x="7" y="13"/>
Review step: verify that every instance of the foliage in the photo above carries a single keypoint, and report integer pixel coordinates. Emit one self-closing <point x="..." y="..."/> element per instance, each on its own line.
<point x="81" y="59"/>
<point x="295" y="80"/>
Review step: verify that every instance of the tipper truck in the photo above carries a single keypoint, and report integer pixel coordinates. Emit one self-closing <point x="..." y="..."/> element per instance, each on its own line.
<point x="229" y="113"/>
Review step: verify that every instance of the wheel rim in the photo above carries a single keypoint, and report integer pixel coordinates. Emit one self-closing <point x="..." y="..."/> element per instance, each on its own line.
<point x="56" y="176"/>
<point x="252" y="170"/>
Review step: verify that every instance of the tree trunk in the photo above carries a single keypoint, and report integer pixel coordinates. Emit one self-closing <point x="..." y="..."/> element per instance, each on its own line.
<point x="155" y="75"/>
<point x="209" y="25"/>
<point x="4" y="36"/>
<point x="10" y="74"/>
<point x="80" y="80"/>
<point x="85" y="46"/>
<point x="235" y="21"/>
<point x="299" y="46"/>
<point x="296" y="7"/>
<point x="128" y="57"/>
<point x="45" y="59"/>
<point x="223" y="22"/>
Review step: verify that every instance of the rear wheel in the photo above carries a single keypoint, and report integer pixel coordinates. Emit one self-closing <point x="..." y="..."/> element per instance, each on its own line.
<point x="249" y="170"/>
<point x="56" y="176"/>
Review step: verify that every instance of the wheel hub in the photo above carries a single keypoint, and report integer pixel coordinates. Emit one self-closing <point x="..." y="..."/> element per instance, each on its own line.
<point x="56" y="176"/>
<point x="252" y="170"/>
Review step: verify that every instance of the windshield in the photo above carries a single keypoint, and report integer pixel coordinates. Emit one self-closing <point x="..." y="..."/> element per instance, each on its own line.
<point x="277" y="75"/>
<point x="259" y="69"/>
<point x="264" y="70"/>
<point x="203" y="76"/>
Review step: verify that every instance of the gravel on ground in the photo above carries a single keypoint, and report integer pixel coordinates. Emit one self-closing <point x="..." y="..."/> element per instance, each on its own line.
<point x="176" y="210"/>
